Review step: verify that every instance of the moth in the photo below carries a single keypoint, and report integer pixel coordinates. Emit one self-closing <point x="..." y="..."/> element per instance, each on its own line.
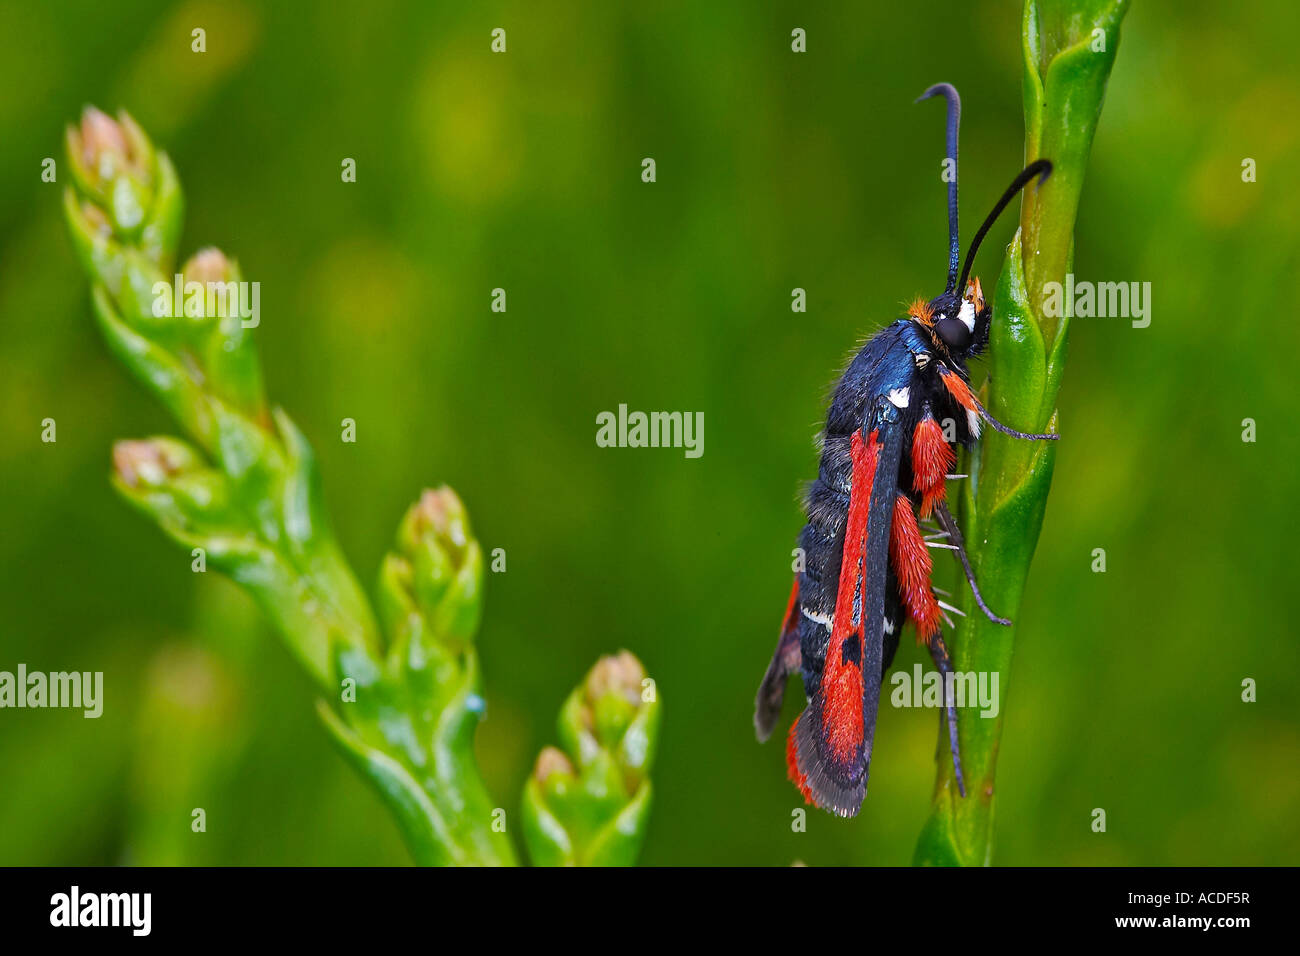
<point x="885" y="462"/>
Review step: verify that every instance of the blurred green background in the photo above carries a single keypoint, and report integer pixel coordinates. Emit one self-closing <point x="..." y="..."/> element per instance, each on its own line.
<point x="775" y="170"/>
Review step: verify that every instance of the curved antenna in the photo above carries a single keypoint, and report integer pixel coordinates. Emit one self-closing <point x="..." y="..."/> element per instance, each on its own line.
<point x="1043" y="166"/>
<point x="949" y="93"/>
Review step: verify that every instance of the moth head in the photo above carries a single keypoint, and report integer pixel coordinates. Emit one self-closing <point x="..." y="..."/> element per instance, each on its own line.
<point x="966" y="332"/>
<point x="958" y="325"/>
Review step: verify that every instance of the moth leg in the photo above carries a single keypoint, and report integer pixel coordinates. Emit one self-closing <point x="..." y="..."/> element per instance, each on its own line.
<point x="939" y="651"/>
<point x="949" y="525"/>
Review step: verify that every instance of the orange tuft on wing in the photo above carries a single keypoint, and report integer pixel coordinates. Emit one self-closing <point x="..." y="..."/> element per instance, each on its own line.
<point x="932" y="457"/>
<point x="959" y="390"/>
<point x="912" y="566"/>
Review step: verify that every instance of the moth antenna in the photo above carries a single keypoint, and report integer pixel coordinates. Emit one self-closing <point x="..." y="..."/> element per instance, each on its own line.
<point x="949" y="93"/>
<point x="1007" y="430"/>
<point x="1039" y="167"/>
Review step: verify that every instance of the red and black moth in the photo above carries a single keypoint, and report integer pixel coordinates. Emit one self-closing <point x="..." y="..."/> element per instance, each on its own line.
<point x="885" y="462"/>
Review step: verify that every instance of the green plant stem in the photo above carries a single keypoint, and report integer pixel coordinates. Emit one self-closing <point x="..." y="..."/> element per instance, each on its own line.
<point x="1069" y="48"/>
<point x="246" y="498"/>
<point x="248" y="501"/>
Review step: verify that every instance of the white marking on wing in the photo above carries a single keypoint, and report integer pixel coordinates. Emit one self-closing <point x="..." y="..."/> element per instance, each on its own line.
<point x="816" y="618"/>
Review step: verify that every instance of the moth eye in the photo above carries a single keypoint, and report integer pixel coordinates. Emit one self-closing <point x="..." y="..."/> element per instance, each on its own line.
<point x="954" y="333"/>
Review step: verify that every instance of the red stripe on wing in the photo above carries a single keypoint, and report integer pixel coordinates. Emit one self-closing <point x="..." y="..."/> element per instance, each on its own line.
<point x="797" y="776"/>
<point x="841" y="686"/>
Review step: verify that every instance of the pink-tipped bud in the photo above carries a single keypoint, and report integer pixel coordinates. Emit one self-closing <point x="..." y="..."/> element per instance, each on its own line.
<point x="105" y="149"/>
<point x="102" y="139"/>
<point x="551" y="761"/>
<point x="208" y="265"/>
<point x="440" y="512"/>
<point x="150" y="462"/>
<point x="113" y="164"/>
<point x="620" y="674"/>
